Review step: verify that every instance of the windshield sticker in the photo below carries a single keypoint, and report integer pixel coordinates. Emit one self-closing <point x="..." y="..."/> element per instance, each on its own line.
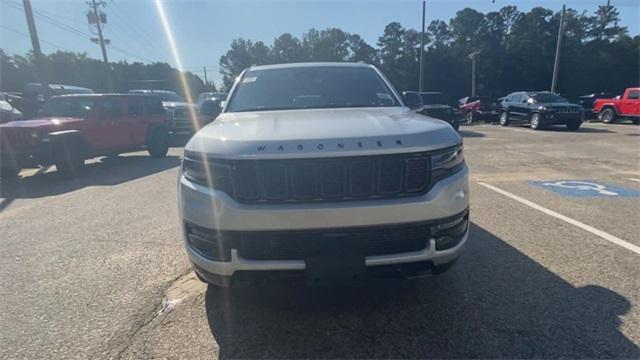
<point x="249" y="79"/>
<point x="384" y="96"/>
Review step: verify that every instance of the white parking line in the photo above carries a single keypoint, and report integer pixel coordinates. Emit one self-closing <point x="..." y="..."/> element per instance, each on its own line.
<point x="634" y="179"/>
<point x="591" y="229"/>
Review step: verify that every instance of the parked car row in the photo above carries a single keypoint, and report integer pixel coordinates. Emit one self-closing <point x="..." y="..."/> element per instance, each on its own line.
<point x="538" y="109"/>
<point x="72" y="128"/>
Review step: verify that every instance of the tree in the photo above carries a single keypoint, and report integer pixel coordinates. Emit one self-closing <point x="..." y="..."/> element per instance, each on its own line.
<point x="286" y="48"/>
<point x="604" y="25"/>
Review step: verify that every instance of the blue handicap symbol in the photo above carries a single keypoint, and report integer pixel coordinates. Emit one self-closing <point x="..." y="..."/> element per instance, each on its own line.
<point x="585" y="189"/>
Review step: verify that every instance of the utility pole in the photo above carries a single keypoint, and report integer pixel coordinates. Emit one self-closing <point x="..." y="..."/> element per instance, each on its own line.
<point x="206" y="82"/>
<point x="556" y="64"/>
<point x="421" y="84"/>
<point x="98" y="18"/>
<point x="37" y="53"/>
<point x="472" y="56"/>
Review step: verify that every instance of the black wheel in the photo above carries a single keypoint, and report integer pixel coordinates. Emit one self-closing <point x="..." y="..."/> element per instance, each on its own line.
<point x="9" y="172"/>
<point x="608" y="116"/>
<point x="469" y="117"/>
<point x="573" y="126"/>
<point x="158" y="142"/>
<point x="536" y="122"/>
<point x="504" y="118"/>
<point x="70" y="159"/>
<point x="441" y="269"/>
<point x="456" y="124"/>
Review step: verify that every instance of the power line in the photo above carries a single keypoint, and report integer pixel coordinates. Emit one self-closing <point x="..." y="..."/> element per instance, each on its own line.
<point x="41" y="40"/>
<point x="73" y="30"/>
<point x="132" y="23"/>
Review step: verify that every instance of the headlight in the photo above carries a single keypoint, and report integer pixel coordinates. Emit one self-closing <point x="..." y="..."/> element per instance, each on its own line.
<point x="446" y="163"/>
<point x="200" y="169"/>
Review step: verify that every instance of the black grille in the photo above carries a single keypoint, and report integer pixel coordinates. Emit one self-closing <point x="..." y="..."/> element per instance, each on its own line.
<point x="302" y="244"/>
<point x="292" y="245"/>
<point x="311" y="180"/>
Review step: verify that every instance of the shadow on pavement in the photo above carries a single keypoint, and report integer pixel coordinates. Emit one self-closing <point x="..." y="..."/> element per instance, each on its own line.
<point x="470" y="134"/>
<point x="496" y="302"/>
<point x="583" y="130"/>
<point x="104" y="172"/>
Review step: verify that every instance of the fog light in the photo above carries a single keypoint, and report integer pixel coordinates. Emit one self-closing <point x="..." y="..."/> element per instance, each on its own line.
<point x="208" y="243"/>
<point x="451" y="233"/>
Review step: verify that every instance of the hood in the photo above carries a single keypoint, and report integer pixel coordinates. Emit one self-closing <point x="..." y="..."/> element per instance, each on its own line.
<point x="322" y="133"/>
<point x="557" y="105"/>
<point x="428" y="107"/>
<point x="176" y="104"/>
<point x="49" y="122"/>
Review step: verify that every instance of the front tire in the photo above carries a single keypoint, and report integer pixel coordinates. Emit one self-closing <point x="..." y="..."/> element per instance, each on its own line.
<point x="536" y="121"/>
<point x="469" y="117"/>
<point x="504" y="118"/>
<point x="573" y="126"/>
<point x="608" y="116"/>
<point x="9" y="172"/>
<point x="158" y="142"/>
<point x="70" y="160"/>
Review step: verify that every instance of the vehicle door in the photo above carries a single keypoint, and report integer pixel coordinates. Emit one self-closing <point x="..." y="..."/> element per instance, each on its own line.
<point x="112" y="133"/>
<point x="630" y="104"/>
<point x="136" y="121"/>
<point x="516" y="111"/>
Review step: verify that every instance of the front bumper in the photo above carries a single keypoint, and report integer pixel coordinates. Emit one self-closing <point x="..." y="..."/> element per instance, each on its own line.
<point x="561" y="118"/>
<point x="212" y="209"/>
<point x="27" y="157"/>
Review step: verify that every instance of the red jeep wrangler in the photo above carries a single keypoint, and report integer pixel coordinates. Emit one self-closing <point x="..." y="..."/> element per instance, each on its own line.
<point x="80" y="127"/>
<point x="625" y="107"/>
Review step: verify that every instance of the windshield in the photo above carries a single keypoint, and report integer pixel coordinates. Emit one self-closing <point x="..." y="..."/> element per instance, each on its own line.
<point x="311" y="87"/>
<point x="69" y="107"/>
<point x="432" y="99"/>
<point x="548" y="98"/>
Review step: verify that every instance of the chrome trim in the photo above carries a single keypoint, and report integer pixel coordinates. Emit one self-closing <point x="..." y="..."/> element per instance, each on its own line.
<point x="238" y="263"/>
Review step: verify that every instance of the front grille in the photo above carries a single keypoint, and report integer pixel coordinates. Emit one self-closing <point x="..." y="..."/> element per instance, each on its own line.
<point x="181" y="120"/>
<point x="566" y="110"/>
<point x="338" y="179"/>
<point x="292" y="245"/>
<point x="303" y="244"/>
<point x="13" y="139"/>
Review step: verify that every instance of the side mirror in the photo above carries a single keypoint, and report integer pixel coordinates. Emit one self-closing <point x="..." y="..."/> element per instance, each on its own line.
<point x="210" y="108"/>
<point x="412" y="100"/>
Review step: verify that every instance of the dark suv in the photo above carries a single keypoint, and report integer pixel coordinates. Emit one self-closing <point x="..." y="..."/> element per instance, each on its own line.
<point x="540" y="109"/>
<point x="435" y="106"/>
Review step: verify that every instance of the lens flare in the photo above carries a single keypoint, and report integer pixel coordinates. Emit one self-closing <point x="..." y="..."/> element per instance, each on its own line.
<point x="176" y="57"/>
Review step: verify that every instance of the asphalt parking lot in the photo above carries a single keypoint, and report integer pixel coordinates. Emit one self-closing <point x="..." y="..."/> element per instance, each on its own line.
<point x="94" y="267"/>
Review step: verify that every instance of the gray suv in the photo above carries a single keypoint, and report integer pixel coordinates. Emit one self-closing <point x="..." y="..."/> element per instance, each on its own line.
<point x="320" y="170"/>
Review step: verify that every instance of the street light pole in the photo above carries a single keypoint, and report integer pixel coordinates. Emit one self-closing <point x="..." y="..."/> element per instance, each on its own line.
<point x="37" y="53"/>
<point x="421" y="83"/>
<point x="556" y="63"/>
<point x="102" y="46"/>
<point x="472" y="56"/>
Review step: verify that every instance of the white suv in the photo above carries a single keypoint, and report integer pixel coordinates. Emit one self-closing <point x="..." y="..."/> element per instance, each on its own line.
<point x="319" y="169"/>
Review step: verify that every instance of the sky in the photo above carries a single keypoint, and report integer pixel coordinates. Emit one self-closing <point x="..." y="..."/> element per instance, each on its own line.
<point x="203" y="30"/>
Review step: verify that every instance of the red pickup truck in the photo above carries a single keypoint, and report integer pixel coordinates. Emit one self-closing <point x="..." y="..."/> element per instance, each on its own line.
<point x="80" y="127"/>
<point x="625" y="107"/>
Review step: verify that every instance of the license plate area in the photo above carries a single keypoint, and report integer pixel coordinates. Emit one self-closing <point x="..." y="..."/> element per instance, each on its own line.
<point x="335" y="267"/>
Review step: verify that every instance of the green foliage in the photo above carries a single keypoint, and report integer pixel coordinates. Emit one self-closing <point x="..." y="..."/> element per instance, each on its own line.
<point x="77" y="69"/>
<point x="517" y="52"/>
